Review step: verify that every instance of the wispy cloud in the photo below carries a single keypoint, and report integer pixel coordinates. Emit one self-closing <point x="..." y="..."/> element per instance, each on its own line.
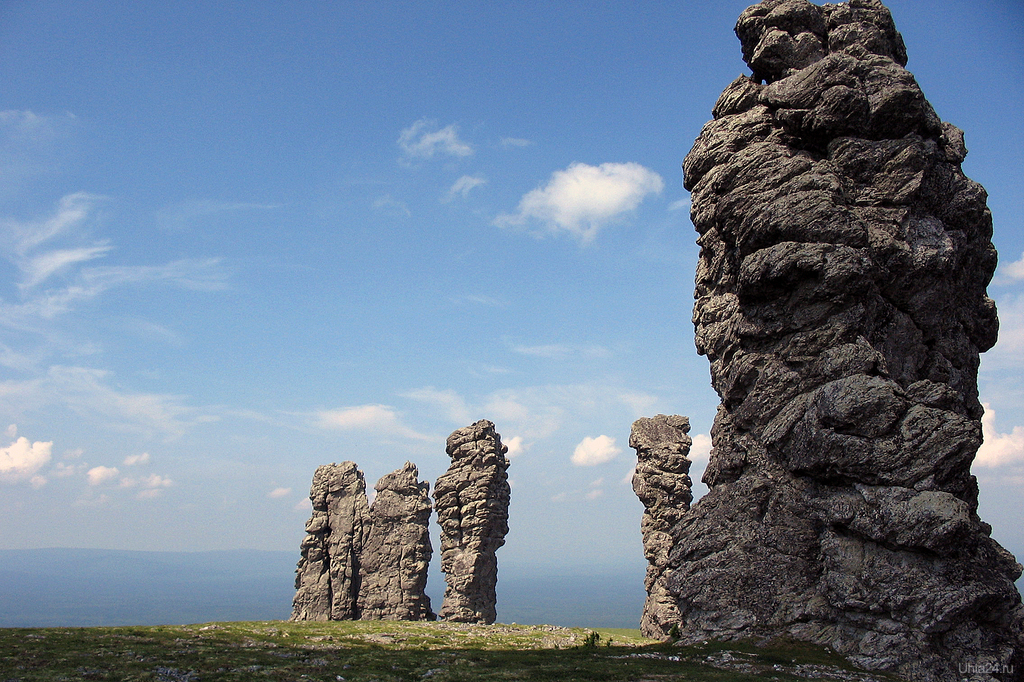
<point x="390" y="206"/>
<point x="1013" y="270"/>
<point x="28" y="245"/>
<point x="278" y="493"/>
<point x="22" y="459"/>
<point x="423" y="140"/>
<point x="560" y="351"/>
<point x="89" y="392"/>
<point x="184" y="214"/>
<point x="451" y="404"/>
<point x="582" y="199"/>
<point x="372" y="418"/>
<point x="515" y="142"/>
<point x="463" y="186"/>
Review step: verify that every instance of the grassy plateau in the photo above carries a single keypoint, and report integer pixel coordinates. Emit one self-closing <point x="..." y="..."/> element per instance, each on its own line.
<point x="391" y="650"/>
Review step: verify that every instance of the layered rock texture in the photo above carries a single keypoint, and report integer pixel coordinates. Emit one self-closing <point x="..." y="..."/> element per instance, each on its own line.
<point x="662" y="483"/>
<point x="472" y="500"/>
<point x="841" y="301"/>
<point x="362" y="561"/>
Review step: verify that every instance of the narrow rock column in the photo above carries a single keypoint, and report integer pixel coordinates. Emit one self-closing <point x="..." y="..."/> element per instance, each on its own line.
<point x="472" y="500"/>
<point x="397" y="553"/>
<point x="328" y="574"/>
<point x="662" y="484"/>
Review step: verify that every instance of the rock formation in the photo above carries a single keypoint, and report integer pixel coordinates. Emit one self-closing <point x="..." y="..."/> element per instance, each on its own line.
<point x="841" y="301"/>
<point x="361" y="561"/>
<point x="472" y="500"/>
<point x="397" y="553"/>
<point x="662" y="483"/>
<point x="328" y="575"/>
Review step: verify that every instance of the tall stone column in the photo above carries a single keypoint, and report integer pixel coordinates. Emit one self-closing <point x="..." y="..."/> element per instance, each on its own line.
<point x="841" y="301"/>
<point x="472" y="500"/>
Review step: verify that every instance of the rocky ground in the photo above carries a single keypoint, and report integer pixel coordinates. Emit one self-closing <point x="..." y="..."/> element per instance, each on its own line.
<point x="390" y="650"/>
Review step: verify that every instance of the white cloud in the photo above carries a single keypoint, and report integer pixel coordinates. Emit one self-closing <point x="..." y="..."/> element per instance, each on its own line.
<point x="303" y="505"/>
<point x="37" y="481"/>
<point x="700" y="449"/>
<point x="133" y="460"/>
<point x="515" y="142"/>
<point x="594" y="451"/>
<point x="12" y="431"/>
<point x="22" y="459"/>
<point x="680" y="204"/>
<point x="62" y="470"/>
<point x="582" y="199"/>
<point x="1013" y="271"/>
<point x="374" y="418"/>
<point x="463" y="185"/>
<point x="422" y="140"/>
<point x="999" y="449"/>
<point x="594" y="494"/>
<point x="279" y="492"/>
<point x="515" y="446"/>
<point x="101" y="474"/>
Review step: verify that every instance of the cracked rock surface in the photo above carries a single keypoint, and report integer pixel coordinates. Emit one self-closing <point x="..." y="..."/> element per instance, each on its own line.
<point x="472" y="500"/>
<point x="841" y="301"/>
<point x="661" y="480"/>
<point x="362" y="561"/>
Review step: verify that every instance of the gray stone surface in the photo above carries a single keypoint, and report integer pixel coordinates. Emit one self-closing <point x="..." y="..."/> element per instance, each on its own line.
<point x="841" y="301"/>
<point x="361" y="561"/>
<point x="472" y="500"/>
<point x="397" y="553"/>
<point x="662" y="483"/>
<point x="328" y="574"/>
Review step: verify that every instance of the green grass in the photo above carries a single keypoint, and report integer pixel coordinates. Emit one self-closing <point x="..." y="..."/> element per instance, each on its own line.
<point x="382" y="651"/>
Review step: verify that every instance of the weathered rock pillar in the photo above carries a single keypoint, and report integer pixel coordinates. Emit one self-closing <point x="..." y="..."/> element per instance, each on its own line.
<point x="363" y="561"/>
<point x="841" y="301"/>
<point x="662" y="483"/>
<point x="472" y="500"/>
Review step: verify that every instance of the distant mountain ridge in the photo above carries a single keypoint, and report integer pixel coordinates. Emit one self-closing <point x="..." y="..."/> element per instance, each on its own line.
<point x="96" y="587"/>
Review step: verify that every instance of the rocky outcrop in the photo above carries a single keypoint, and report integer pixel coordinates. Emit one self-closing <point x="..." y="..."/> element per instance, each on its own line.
<point x="841" y="301"/>
<point x="397" y="553"/>
<point x="662" y="483"/>
<point x="361" y="561"/>
<point x="472" y="500"/>
<point x="329" y="572"/>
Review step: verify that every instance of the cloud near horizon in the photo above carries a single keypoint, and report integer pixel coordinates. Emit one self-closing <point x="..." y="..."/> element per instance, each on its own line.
<point x="582" y="199"/>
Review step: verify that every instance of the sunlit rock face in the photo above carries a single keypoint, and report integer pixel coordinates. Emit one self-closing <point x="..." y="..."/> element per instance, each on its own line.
<point x="362" y="561"/>
<point x="841" y="301"/>
<point x="397" y="553"/>
<point x="472" y="500"/>
<point x="662" y="483"/>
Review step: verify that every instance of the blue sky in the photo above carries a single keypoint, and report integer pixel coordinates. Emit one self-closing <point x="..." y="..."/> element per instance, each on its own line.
<point x="238" y="241"/>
